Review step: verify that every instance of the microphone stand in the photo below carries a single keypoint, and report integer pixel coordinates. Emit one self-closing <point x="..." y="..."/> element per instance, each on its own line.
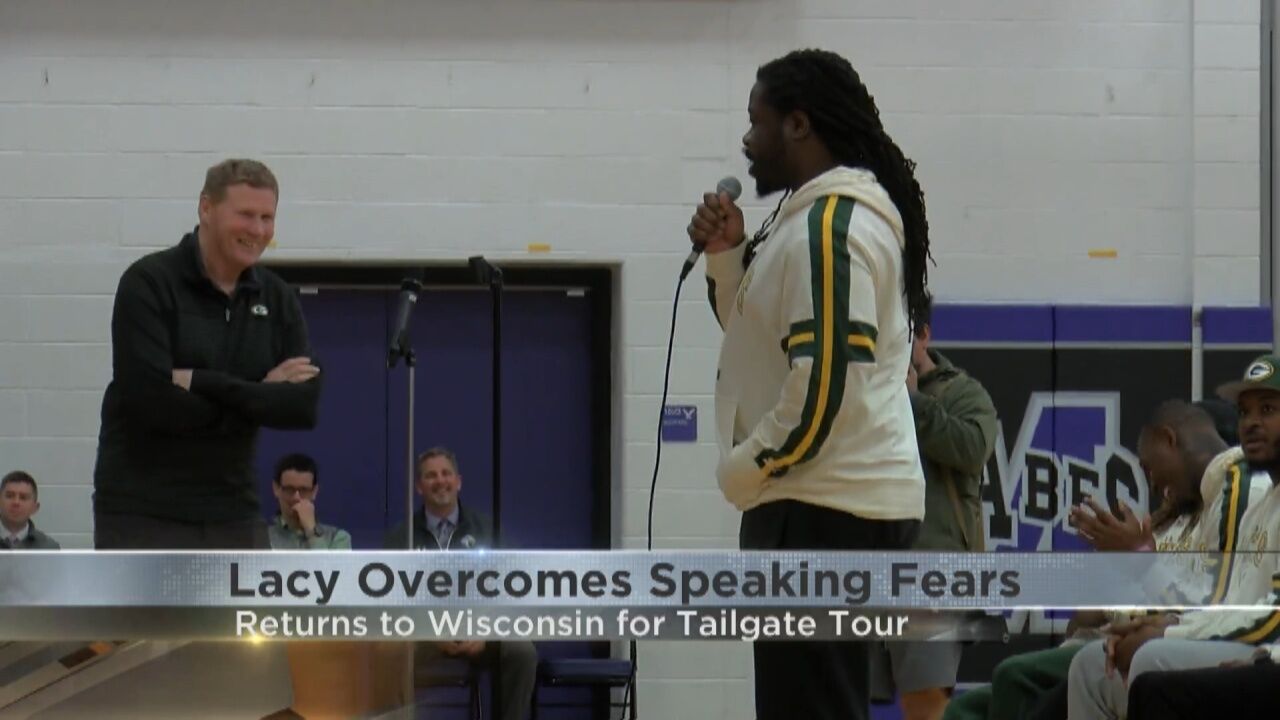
<point x="402" y="348"/>
<point x="489" y="274"/>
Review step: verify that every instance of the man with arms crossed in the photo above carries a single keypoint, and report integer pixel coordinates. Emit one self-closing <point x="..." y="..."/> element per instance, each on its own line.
<point x="207" y="347"/>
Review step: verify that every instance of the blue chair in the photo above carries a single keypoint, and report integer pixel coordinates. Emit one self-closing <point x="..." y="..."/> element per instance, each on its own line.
<point x="449" y="673"/>
<point x="587" y="672"/>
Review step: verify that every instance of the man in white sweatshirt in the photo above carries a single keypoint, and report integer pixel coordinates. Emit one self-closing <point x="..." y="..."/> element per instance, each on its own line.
<point x="817" y="437"/>
<point x="1249" y="574"/>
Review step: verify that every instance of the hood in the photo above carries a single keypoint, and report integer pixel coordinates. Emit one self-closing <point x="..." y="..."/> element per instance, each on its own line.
<point x="1215" y="475"/>
<point x="860" y="185"/>
<point x="942" y="370"/>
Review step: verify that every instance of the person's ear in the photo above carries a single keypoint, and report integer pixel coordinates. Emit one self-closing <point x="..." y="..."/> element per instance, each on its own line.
<point x="796" y="126"/>
<point x="205" y="209"/>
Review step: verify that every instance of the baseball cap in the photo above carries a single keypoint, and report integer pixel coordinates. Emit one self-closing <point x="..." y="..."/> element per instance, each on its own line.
<point x="1260" y="375"/>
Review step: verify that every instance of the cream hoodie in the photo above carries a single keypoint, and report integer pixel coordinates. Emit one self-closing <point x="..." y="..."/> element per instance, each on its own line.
<point x="811" y="395"/>
<point x="1250" y="565"/>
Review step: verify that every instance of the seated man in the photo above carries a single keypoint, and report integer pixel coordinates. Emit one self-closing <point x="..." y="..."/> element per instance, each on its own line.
<point x="319" y="669"/>
<point x="442" y="523"/>
<point x="1182" y="453"/>
<point x="19" y="500"/>
<point x="1101" y="673"/>
<point x="1224" y="418"/>
<point x="296" y="484"/>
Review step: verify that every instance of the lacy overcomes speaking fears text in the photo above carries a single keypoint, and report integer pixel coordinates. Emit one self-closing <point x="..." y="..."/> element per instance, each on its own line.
<point x="664" y="582"/>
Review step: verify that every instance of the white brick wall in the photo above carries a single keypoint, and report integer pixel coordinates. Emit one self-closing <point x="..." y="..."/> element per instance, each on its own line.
<point x="419" y="128"/>
<point x="1225" y="173"/>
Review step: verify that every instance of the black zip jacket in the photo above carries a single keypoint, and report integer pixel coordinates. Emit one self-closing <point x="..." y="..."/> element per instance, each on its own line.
<point x="188" y="455"/>
<point x="474" y="532"/>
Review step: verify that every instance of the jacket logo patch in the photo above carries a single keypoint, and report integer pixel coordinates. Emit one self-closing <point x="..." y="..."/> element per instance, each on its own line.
<point x="260" y="310"/>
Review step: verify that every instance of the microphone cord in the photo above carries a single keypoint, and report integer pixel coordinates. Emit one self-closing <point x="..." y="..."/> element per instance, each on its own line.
<point x="755" y="241"/>
<point x="657" y="464"/>
<point x="662" y="411"/>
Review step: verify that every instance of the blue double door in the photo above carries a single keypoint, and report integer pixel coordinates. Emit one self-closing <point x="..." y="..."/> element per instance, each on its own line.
<point x="547" y="485"/>
<point x="549" y="490"/>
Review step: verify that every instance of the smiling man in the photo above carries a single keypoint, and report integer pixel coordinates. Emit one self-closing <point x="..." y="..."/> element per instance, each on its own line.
<point x="207" y="347"/>
<point x="443" y="524"/>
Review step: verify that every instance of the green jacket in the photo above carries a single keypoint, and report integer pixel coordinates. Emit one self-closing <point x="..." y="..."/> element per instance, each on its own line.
<point x="956" y="431"/>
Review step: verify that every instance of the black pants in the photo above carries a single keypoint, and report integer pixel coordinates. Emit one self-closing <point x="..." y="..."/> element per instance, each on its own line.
<point x="140" y="532"/>
<point x="1236" y="692"/>
<point x="816" y="680"/>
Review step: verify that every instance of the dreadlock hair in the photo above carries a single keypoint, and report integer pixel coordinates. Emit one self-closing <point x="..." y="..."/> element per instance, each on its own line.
<point x="824" y="86"/>
<point x="924" y="314"/>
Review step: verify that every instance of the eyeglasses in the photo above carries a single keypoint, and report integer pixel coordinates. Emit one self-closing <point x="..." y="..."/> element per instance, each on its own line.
<point x="299" y="491"/>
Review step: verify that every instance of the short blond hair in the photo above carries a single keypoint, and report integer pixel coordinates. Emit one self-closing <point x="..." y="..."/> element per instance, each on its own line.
<point x="238" y="171"/>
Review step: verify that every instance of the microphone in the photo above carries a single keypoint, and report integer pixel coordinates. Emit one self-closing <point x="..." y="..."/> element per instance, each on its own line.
<point x="409" y="289"/>
<point x="485" y="272"/>
<point x="731" y="187"/>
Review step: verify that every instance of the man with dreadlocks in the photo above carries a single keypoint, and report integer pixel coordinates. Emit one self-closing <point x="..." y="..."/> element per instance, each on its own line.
<point x="817" y="438"/>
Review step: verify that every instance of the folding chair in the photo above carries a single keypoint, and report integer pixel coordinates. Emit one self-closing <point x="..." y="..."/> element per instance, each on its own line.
<point x="449" y="673"/>
<point x="587" y="672"/>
